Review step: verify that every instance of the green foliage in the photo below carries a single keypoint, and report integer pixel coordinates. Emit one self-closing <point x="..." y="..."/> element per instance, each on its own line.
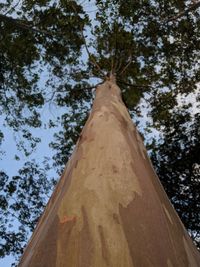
<point x="24" y="52"/>
<point x="178" y="166"/>
<point x="23" y="198"/>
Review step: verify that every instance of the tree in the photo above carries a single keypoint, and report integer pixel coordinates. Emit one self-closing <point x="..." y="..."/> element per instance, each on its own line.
<point x="181" y="144"/>
<point x="21" y="208"/>
<point x="109" y="208"/>
<point x="153" y="58"/>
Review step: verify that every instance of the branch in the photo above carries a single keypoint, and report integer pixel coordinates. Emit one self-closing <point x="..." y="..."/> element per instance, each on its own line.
<point x="115" y="48"/>
<point x="89" y="55"/>
<point x="12" y="8"/>
<point x="113" y="51"/>
<point x="93" y="61"/>
<point x="127" y="65"/>
<point x="74" y="90"/>
<point x="17" y="23"/>
<point x="118" y="65"/>
<point x="185" y="12"/>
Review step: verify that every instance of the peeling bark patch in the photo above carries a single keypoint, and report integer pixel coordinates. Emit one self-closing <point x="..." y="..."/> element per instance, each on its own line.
<point x="66" y="219"/>
<point x="104" y="248"/>
<point x="86" y="243"/>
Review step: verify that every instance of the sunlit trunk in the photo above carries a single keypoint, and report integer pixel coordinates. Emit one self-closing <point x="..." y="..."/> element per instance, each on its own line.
<point x="109" y="208"/>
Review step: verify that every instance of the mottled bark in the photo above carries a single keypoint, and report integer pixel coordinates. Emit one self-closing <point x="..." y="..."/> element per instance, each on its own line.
<point x="109" y="208"/>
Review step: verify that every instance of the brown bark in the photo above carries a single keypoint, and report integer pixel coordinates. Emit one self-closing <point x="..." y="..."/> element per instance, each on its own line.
<point x="109" y="208"/>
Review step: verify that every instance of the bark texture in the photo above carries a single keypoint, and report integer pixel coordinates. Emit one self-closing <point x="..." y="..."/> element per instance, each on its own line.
<point x="109" y="208"/>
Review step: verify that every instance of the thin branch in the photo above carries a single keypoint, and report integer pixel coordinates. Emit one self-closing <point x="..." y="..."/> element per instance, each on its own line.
<point x="17" y="217"/>
<point x="93" y="61"/>
<point x="74" y="90"/>
<point x="52" y="97"/>
<point x="127" y="65"/>
<point x="113" y="52"/>
<point x="193" y="7"/>
<point x="118" y="65"/>
<point x="82" y="2"/>
<point x="12" y="8"/>
<point x="115" y="49"/>
<point x="90" y="56"/>
<point x="112" y="64"/>
<point x="115" y="63"/>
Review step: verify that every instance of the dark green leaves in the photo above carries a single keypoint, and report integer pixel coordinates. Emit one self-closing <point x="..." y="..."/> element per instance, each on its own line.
<point x="22" y="199"/>
<point x="178" y="166"/>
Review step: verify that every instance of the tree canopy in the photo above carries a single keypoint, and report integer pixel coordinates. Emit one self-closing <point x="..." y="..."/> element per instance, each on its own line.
<point x="56" y="51"/>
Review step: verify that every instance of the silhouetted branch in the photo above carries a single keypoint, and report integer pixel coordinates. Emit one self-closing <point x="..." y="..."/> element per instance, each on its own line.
<point x="90" y="56"/>
<point x="118" y="65"/>
<point x="127" y="65"/>
<point x="73" y="90"/>
<point x="92" y="60"/>
<point x="12" y="8"/>
<point x="19" y="24"/>
<point x="185" y="12"/>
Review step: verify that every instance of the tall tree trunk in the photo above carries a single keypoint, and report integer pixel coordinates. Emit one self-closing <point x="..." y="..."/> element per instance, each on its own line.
<point x="109" y="208"/>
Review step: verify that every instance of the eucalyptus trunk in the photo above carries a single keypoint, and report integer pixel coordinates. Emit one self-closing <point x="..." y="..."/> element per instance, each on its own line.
<point x="109" y="208"/>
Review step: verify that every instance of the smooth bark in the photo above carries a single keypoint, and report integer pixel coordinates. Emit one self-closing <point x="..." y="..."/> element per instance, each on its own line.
<point x="109" y="208"/>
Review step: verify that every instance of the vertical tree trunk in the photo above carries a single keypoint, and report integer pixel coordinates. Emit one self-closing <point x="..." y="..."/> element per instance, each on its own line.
<point x="109" y="208"/>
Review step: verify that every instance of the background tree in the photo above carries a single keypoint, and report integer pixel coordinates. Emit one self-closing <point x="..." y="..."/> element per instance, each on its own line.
<point x="55" y="52"/>
<point x="181" y="181"/>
